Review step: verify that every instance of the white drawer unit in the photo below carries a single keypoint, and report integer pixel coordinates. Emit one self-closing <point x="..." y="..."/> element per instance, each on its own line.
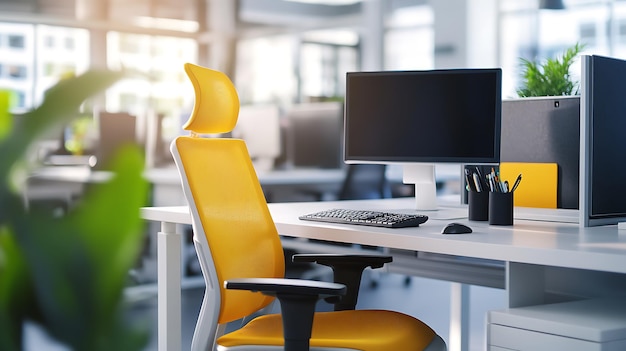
<point x="590" y="325"/>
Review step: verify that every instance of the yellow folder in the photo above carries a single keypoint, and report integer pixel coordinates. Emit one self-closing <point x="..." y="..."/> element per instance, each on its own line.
<point x="538" y="187"/>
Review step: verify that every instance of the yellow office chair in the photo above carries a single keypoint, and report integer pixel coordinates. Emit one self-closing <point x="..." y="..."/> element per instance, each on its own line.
<point x="239" y="248"/>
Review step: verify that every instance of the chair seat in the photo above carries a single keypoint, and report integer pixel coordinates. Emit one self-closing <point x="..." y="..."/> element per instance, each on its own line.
<point x="367" y="330"/>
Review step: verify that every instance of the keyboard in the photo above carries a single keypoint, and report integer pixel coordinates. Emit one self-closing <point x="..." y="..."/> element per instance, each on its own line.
<point x="366" y="217"/>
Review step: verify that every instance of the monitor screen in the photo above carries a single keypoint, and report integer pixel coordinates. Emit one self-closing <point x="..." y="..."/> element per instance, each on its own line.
<point x="603" y="127"/>
<point x="433" y="116"/>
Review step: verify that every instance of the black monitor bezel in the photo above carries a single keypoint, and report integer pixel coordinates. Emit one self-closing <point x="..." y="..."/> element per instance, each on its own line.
<point x="389" y="159"/>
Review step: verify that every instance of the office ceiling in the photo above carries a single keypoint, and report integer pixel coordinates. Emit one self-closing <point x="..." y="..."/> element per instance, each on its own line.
<point x="250" y="13"/>
<point x="115" y="9"/>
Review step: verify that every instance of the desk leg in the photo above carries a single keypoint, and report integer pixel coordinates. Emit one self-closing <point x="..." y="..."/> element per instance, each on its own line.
<point x="459" y="317"/>
<point x="169" y="245"/>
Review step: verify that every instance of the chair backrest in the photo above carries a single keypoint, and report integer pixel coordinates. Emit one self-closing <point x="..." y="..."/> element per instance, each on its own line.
<point x="234" y="233"/>
<point x="365" y="181"/>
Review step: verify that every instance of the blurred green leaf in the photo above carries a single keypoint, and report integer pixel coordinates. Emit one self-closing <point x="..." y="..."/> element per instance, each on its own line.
<point x="15" y="292"/>
<point x="68" y="273"/>
<point x="80" y="262"/>
<point x="6" y="121"/>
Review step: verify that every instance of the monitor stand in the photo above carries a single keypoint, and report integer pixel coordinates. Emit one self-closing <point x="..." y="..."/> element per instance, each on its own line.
<point x="423" y="176"/>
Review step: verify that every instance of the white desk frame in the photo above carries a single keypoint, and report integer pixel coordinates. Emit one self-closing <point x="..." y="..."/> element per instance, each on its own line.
<point x="540" y="256"/>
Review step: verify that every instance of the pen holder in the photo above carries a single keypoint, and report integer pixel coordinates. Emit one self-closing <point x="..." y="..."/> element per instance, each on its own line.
<point x="501" y="208"/>
<point x="478" y="205"/>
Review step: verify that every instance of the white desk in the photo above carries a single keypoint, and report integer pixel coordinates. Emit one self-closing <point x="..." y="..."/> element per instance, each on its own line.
<point x="67" y="181"/>
<point x="170" y="176"/>
<point x="545" y="261"/>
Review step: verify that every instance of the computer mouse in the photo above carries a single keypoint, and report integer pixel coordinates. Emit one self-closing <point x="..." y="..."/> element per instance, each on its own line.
<point x="456" y="228"/>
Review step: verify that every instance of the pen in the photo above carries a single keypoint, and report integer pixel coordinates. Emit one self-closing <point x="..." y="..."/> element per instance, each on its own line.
<point x="490" y="181"/>
<point x="481" y="179"/>
<point x="494" y="181"/>
<point x="517" y="181"/>
<point x="469" y="180"/>
<point x="479" y="187"/>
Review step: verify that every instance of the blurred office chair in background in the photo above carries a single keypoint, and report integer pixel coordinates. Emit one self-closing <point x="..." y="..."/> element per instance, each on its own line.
<point x="361" y="182"/>
<point x="365" y="181"/>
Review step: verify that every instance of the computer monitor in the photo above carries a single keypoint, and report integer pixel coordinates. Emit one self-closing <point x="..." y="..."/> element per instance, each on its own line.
<point x="602" y="133"/>
<point x="151" y="135"/>
<point x="315" y="135"/>
<point x="115" y="129"/>
<point x="419" y="118"/>
<point x="259" y="126"/>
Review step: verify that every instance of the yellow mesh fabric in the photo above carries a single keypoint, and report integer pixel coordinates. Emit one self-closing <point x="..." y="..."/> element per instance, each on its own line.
<point x="367" y="330"/>
<point x="241" y="233"/>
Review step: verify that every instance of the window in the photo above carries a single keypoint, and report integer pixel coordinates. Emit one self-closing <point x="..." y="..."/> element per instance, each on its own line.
<point x="55" y="58"/>
<point x="265" y="70"/>
<point x="69" y="43"/>
<point x="16" y="41"/>
<point x="588" y="33"/>
<point x="158" y="82"/>
<point x="49" y="41"/>
<point x="323" y="68"/>
<point x="16" y="71"/>
<point x="410" y="38"/>
<point x="19" y="99"/>
<point x="533" y="34"/>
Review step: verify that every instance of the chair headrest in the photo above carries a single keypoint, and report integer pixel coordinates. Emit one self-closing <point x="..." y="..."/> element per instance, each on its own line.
<point x="216" y="106"/>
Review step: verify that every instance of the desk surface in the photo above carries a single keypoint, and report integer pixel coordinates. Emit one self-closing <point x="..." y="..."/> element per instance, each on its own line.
<point x="534" y="242"/>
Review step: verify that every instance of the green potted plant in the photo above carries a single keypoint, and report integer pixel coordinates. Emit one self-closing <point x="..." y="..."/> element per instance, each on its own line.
<point x="67" y="274"/>
<point x="551" y="77"/>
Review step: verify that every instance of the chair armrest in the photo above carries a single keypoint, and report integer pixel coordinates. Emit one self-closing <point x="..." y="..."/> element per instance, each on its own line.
<point x="347" y="270"/>
<point x="297" y="299"/>
<point x="276" y="286"/>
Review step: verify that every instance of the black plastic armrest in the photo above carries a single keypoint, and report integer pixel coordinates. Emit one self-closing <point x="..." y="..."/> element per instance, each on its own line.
<point x="347" y="270"/>
<point x="297" y="299"/>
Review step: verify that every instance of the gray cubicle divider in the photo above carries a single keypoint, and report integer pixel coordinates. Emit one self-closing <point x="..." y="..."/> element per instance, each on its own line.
<point x="545" y="129"/>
